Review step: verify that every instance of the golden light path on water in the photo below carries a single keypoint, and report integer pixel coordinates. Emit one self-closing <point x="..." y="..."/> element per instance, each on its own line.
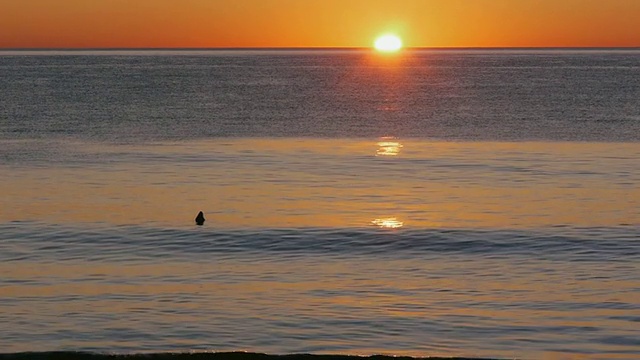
<point x="388" y="146"/>
<point x="389" y="223"/>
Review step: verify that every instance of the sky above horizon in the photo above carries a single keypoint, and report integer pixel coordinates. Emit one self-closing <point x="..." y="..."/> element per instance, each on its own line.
<point x="317" y="23"/>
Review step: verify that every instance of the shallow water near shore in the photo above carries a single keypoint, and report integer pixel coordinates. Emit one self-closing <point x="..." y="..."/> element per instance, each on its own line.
<point x="478" y="204"/>
<point x="404" y="247"/>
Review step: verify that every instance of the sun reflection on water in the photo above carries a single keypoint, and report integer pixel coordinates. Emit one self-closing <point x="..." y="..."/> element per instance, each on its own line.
<point x="388" y="146"/>
<point x="388" y="223"/>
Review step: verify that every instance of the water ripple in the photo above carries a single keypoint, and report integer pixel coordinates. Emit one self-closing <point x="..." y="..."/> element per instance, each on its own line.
<point x="29" y="241"/>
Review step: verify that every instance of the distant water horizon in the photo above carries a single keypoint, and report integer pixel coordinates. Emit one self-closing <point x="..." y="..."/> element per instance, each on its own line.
<point x="470" y="203"/>
<point x="111" y="51"/>
<point x="323" y="48"/>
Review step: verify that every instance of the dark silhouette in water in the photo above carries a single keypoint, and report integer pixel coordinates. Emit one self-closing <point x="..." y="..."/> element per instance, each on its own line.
<point x="200" y="218"/>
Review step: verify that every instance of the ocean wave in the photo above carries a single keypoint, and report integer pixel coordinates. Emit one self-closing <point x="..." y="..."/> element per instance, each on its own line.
<point x="32" y="241"/>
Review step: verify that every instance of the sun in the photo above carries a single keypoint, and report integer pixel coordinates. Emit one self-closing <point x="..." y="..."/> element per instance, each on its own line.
<point x="388" y="43"/>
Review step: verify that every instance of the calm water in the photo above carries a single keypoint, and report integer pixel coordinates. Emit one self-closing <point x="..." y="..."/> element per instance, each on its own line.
<point x="479" y="203"/>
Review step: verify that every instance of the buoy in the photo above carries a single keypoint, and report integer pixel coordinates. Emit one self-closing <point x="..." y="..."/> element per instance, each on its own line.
<point x="200" y="218"/>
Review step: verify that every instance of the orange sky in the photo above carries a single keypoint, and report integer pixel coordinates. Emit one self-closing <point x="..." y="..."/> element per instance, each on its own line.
<point x="317" y="23"/>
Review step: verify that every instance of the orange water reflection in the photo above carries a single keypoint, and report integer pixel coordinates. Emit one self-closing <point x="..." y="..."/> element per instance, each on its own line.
<point x="247" y="183"/>
<point x="388" y="146"/>
<point x="388" y="223"/>
<point x="321" y="182"/>
<point x="285" y="289"/>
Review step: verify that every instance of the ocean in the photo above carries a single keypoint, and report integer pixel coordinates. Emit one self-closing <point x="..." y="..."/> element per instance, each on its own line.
<point x="452" y="203"/>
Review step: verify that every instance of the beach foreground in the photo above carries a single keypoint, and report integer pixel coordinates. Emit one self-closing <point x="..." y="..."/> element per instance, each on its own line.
<point x="64" y="355"/>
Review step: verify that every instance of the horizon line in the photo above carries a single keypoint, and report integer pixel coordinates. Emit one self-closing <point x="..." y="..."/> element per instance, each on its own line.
<point x="326" y="48"/>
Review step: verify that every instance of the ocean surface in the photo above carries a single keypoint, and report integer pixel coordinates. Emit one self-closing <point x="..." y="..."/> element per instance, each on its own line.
<point x="472" y="203"/>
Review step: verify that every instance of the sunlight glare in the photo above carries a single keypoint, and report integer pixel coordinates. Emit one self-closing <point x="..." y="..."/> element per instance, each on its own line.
<point x="388" y="43"/>
<point x="388" y="146"/>
<point x="388" y="223"/>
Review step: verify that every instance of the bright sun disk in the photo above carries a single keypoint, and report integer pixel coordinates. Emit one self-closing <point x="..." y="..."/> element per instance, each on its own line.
<point x="388" y="43"/>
